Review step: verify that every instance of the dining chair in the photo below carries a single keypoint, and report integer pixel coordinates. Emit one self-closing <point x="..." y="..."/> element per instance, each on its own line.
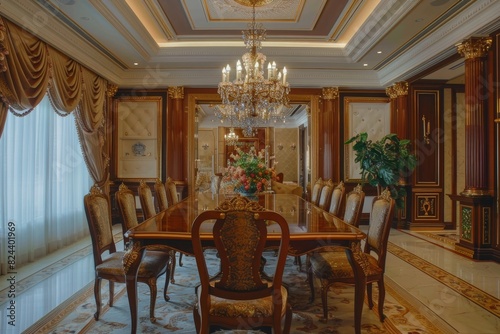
<point x="240" y="298"/>
<point x="336" y="200"/>
<point x="161" y="195"/>
<point x="171" y="191"/>
<point x="146" y="199"/>
<point x="353" y="266"/>
<point x="163" y="204"/>
<point x="316" y="191"/>
<point x="354" y="205"/>
<point x="110" y="266"/>
<point x="325" y="195"/>
<point x="126" y="204"/>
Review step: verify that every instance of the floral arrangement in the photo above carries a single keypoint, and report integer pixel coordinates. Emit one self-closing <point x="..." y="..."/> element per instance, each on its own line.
<point x="248" y="171"/>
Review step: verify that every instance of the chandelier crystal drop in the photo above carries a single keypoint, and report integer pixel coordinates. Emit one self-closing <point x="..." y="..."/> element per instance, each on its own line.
<point x="251" y="99"/>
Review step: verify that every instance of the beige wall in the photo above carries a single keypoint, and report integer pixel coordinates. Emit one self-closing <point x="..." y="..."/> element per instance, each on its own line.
<point x="287" y="157"/>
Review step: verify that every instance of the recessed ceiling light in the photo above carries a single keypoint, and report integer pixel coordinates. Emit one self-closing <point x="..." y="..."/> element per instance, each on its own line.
<point x="379" y="52"/>
<point x="135" y="64"/>
<point x="419" y="20"/>
<point x="365" y="65"/>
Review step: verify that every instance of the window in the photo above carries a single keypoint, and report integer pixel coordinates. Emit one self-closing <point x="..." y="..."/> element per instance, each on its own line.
<point x="43" y="179"/>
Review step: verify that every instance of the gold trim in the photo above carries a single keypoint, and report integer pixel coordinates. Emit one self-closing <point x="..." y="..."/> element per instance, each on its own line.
<point x="330" y="93"/>
<point x="474" y="47"/>
<point x="176" y="92"/>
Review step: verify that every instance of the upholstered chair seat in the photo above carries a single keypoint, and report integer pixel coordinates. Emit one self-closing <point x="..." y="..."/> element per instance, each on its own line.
<point x="334" y="265"/>
<point x="113" y="265"/>
<point x="230" y="308"/>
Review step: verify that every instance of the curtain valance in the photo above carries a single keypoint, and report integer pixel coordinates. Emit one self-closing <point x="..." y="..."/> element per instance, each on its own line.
<point x="30" y="68"/>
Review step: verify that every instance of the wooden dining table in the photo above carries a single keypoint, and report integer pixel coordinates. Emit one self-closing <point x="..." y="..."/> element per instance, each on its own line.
<point x="310" y="228"/>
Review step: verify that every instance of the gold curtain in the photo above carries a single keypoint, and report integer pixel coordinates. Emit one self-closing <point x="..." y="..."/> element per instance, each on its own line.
<point x="29" y="69"/>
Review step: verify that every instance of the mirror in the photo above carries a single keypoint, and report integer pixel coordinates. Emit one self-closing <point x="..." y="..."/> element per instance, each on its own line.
<point x="289" y="145"/>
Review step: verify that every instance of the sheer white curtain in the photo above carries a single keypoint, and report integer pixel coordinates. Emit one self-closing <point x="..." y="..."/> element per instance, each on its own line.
<point x="43" y="179"/>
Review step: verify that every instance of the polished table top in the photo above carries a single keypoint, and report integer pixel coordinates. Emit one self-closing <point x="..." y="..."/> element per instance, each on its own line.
<point x="310" y="226"/>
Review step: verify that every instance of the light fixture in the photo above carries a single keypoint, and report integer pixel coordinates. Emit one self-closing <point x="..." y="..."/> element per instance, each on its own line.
<point x="231" y="138"/>
<point x="251" y="100"/>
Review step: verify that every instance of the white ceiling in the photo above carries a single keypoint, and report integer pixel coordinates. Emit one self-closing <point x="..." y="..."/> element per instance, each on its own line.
<point x="323" y="43"/>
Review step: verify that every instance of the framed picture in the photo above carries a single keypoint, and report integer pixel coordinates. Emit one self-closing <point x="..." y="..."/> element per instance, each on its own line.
<point x="138" y="137"/>
<point x="363" y="114"/>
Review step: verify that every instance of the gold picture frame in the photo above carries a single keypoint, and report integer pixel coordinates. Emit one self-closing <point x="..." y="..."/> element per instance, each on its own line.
<point x="363" y="114"/>
<point x="138" y="137"/>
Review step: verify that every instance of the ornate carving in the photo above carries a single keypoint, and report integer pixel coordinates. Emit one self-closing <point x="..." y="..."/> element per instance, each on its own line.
<point x="486" y="225"/>
<point x="111" y="91"/>
<point x="391" y="92"/>
<point x="474" y="47"/>
<point x="176" y="92"/>
<point x="330" y="93"/>
<point x="358" y="189"/>
<point x="386" y="194"/>
<point x="401" y="88"/>
<point x="130" y="256"/>
<point x="466" y="223"/>
<point x="95" y="190"/>
<point x="240" y="203"/>
<point x="398" y="89"/>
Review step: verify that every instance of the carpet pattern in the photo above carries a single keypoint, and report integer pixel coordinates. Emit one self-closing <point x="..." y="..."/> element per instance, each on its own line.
<point x="175" y="316"/>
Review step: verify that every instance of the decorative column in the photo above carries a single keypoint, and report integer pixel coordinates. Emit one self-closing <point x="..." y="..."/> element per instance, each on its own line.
<point x="329" y="135"/>
<point x="475" y="51"/>
<point x="476" y="201"/>
<point x="176" y="131"/>
<point x="398" y="93"/>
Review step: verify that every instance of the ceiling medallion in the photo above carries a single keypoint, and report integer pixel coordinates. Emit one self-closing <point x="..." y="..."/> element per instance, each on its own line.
<point x="252" y="100"/>
<point x="251" y="3"/>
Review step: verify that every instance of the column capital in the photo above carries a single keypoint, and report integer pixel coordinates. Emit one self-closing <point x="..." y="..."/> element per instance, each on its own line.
<point x="111" y="89"/>
<point x="176" y="92"/>
<point x="474" y="47"/>
<point x="401" y="88"/>
<point x="330" y="93"/>
<point x="391" y="92"/>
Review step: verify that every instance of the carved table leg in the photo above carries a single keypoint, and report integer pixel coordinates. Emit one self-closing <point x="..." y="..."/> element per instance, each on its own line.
<point x="131" y="262"/>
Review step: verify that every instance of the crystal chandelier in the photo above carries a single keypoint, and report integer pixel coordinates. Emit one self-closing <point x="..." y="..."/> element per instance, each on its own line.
<point x="251" y="100"/>
<point x="231" y="138"/>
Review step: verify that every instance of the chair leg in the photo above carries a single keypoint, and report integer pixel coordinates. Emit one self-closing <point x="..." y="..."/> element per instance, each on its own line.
<point x="111" y="293"/>
<point x="167" y="280"/>
<point x="180" y="260"/>
<point x="172" y="267"/>
<point x="310" y="279"/>
<point x="288" y="319"/>
<point x="359" y="297"/>
<point x="369" y="295"/>
<point x="152" y="301"/>
<point x="324" y="301"/>
<point x="97" y="295"/>
<point x="381" y="299"/>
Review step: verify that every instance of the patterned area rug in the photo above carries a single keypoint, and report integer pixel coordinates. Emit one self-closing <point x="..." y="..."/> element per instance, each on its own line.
<point x="175" y="316"/>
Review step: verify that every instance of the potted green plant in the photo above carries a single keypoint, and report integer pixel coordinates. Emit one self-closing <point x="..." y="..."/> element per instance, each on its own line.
<point x="384" y="163"/>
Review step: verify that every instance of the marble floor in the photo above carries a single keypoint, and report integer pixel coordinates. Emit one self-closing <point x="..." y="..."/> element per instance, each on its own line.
<point x="457" y="294"/>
